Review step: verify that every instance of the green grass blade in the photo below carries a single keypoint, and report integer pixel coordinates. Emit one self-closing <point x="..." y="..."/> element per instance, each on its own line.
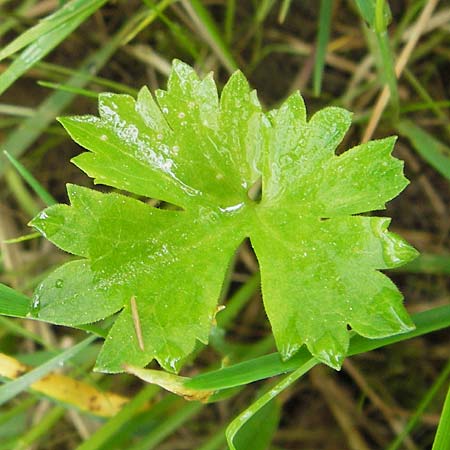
<point x="74" y="9"/>
<point x="248" y="371"/>
<point x="11" y="20"/>
<point x="23" y="238"/>
<point x="40" y="429"/>
<point x="433" y="151"/>
<point x="147" y="420"/>
<point x="272" y="365"/>
<point x="442" y="439"/>
<point x="323" y="36"/>
<point x="31" y="181"/>
<point x="13" y="388"/>
<point x="257" y="433"/>
<point x="376" y="13"/>
<point x="13" y="303"/>
<point x="238" y="301"/>
<point x="388" y="68"/>
<point x="181" y="36"/>
<point x="419" y="106"/>
<point x="16" y="410"/>
<point x="367" y="10"/>
<point x="230" y="15"/>
<point x="41" y="45"/>
<point x="284" y="9"/>
<point x="240" y="420"/>
<point x="428" y="263"/>
<point x="438" y="107"/>
<point x="207" y="26"/>
<point x="30" y="129"/>
<point x="216" y="441"/>
<point x="263" y="11"/>
<point x="110" y="85"/>
<point x="14" y="110"/>
<point x="168" y="426"/>
<point x="15" y="327"/>
<point x="22" y="195"/>
<point x="67" y="88"/>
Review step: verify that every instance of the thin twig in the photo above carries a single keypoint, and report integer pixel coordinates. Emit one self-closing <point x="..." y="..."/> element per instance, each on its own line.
<point x="137" y="322"/>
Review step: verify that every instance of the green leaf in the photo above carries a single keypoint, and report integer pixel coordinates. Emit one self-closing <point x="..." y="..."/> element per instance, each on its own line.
<point x="162" y="269"/>
<point x="171" y="262"/>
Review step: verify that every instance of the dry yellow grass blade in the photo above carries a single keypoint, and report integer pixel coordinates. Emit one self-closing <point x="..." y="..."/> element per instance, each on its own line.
<point x="67" y="390"/>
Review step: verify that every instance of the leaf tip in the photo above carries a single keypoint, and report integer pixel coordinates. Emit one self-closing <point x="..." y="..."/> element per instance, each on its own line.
<point x="330" y="349"/>
<point x="181" y="70"/>
<point x="396" y="250"/>
<point x="38" y="221"/>
<point x="72" y="191"/>
<point x="63" y="120"/>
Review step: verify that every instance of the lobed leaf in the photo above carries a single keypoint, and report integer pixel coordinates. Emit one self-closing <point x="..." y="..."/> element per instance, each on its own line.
<point x="171" y="262"/>
<point x="161" y="270"/>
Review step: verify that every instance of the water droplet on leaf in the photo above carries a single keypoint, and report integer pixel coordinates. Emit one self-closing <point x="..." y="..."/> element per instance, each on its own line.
<point x="35" y="306"/>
